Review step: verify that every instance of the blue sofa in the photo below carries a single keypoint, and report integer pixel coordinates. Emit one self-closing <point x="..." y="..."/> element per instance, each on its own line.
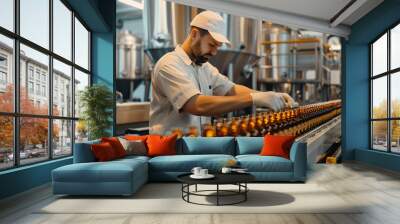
<point x="125" y="176"/>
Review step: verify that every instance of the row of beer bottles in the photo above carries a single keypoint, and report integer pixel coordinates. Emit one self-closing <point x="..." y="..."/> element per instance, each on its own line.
<point x="289" y="121"/>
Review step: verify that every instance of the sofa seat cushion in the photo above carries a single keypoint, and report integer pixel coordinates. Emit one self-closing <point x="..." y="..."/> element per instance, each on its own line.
<point x="112" y="171"/>
<point x="257" y="163"/>
<point x="133" y="157"/>
<point x="185" y="163"/>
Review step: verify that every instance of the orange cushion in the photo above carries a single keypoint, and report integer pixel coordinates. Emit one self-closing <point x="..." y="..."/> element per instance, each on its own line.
<point x="103" y="151"/>
<point x="161" y="145"/>
<point x="116" y="145"/>
<point x="277" y="145"/>
<point x="136" y="137"/>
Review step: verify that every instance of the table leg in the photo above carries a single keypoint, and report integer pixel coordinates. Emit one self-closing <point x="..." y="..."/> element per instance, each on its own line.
<point x="217" y="194"/>
<point x="245" y="193"/>
<point x="188" y="190"/>
<point x="182" y="189"/>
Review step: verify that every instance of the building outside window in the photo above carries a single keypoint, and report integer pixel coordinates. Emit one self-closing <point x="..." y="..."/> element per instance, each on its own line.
<point x="3" y="78"/>
<point x="3" y="61"/>
<point x="43" y="78"/>
<point x="30" y="87"/>
<point x="37" y="75"/>
<point x="3" y="72"/>
<point x="38" y="89"/>
<point x="30" y="72"/>
<point x="43" y="90"/>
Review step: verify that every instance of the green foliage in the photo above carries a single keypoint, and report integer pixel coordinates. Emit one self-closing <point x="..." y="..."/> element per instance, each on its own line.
<point x="380" y="111"/>
<point x="97" y="102"/>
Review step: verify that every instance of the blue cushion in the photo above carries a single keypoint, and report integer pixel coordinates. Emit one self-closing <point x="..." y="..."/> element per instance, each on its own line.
<point x="111" y="171"/>
<point x="118" y="177"/>
<point x="257" y="163"/>
<point x="83" y="153"/>
<point x="93" y="172"/>
<point x="249" y="145"/>
<point x="204" y="145"/>
<point x="133" y="157"/>
<point x="185" y="163"/>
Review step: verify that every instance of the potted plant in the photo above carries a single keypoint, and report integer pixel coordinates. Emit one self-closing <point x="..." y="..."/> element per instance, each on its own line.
<point x="96" y="103"/>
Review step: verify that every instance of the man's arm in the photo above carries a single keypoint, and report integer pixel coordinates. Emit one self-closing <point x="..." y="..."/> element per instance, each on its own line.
<point x="239" y="90"/>
<point x="216" y="105"/>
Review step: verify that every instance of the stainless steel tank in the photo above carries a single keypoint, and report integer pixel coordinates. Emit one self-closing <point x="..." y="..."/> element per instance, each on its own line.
<point x="242" y="33"/>
<point x="167" y="24"/>
<point x="130" y="55"/>
<point x="278" y="56"/>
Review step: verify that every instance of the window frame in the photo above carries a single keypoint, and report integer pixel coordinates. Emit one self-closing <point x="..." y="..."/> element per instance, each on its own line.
<point x="388" y="74"/>
<point x="16" y="114"/>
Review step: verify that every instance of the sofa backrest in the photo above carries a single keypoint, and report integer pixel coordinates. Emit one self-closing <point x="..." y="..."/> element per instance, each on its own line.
<point x="249" y="145"/>
<point x="205" y="145"/>
<point x="191" y="146"/>
<point x="83" y="153"/>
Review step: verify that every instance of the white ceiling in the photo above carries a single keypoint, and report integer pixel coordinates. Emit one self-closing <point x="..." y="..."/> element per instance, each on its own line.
<point x="320" y="9"/>
<point x="315" y="15"/>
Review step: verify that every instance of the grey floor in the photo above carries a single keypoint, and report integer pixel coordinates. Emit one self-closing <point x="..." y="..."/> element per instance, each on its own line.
<point x="377" y="188"/>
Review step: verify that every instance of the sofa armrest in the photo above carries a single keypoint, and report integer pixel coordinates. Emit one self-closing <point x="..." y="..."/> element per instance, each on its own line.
<point x="298" y="155"/>
<point x="83" y="152"/>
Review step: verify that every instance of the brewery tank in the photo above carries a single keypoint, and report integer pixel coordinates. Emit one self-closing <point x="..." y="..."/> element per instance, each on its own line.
<point x="130" y="55"/>
<point x="167" y="24"/>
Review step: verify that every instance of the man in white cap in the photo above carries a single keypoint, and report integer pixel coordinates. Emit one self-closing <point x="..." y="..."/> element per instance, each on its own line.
<point x="187" y="90"/>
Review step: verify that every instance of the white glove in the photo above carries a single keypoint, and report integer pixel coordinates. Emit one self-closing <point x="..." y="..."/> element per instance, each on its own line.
<point x="272" y="100"/>
<point x="289" y="101"/>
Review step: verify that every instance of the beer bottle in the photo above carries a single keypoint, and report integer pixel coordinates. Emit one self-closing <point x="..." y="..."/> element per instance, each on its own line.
<point x="233" y="127"/>
<point x="243" y="126"/>
<point x="208" y="130"/>
<point x="224" y="131"/>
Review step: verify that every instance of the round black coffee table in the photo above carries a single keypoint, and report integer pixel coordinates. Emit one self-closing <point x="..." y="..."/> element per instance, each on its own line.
<point x="238" y="179"/>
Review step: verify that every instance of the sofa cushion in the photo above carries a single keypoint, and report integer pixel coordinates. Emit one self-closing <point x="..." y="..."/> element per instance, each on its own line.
<point x="134" y="147"/>
<point x="116" y="145"/>
<point x="112" y="171"/>
<point x="132" y="158"/>
<point x="277" y="145"/>
<point x="185" y="163"/>
<point x="159" y="145"/>
<point x="249" y="145"/>
<point x="257" y="163"/>
<point x="142" y="138"/>
<point x="204" y="145"/>
<point x="103" y="152"/>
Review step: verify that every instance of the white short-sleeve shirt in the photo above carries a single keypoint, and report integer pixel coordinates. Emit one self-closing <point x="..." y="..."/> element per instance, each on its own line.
<point x="174" y="81"/>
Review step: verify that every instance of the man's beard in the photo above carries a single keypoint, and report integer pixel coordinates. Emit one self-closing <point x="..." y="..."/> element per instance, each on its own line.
<point x="197" y="57"/>
<point x="199" y="60"/>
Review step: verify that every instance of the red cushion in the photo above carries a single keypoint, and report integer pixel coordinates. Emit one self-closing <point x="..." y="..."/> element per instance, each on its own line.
<point x="277" y="145"/>
<point x="161" y="145"/>
<point x="116" y="145"/>
<point x="103" y="151"/>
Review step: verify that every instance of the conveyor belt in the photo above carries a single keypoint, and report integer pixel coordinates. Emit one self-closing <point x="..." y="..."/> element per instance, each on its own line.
<point x="321" y="138"/>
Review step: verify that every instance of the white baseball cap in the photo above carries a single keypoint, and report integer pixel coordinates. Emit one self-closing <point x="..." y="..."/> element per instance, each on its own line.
<point x="213" y="23"/>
